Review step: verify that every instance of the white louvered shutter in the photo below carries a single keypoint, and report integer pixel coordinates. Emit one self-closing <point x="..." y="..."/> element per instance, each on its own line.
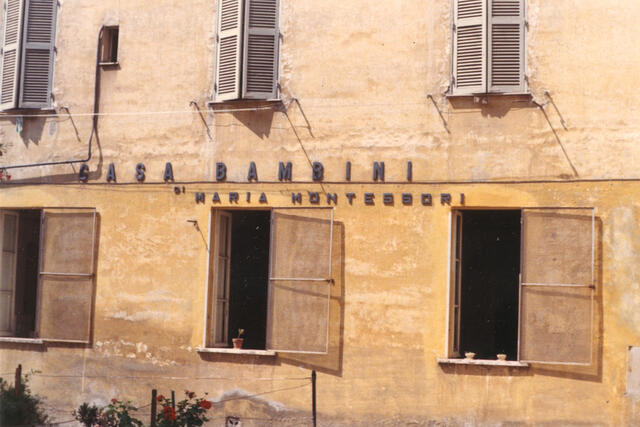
<point x="261" y="50"/>
<point x="38" y="53"/>
<point x="469" y="47"/>
<point x="506" y="47"/>
<point x="11" y="51"/>
<point x="229" y="50"/>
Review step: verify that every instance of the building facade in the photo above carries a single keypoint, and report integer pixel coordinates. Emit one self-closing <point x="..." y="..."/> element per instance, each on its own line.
<point x="368" y="191"/>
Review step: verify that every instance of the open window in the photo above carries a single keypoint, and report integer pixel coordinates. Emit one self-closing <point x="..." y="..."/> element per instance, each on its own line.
<point x="271" y="275"/>
<point x="522" y="284"/>
<point x="109" y="45"/>
<point x="46" y="287"/>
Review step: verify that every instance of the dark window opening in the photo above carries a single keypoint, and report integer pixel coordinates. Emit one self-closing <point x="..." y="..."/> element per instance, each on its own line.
<point x="20" y="232"/>
<point x="249" y="275"/>
<point x="489" y="283"/>
<point x="27" y="273"/>
<point x="109" y="46"/>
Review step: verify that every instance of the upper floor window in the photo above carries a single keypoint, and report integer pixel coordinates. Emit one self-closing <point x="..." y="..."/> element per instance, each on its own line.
<point x="246" y="50"/>
<point x="28" y="38"/>
<point x="488" y="47"/>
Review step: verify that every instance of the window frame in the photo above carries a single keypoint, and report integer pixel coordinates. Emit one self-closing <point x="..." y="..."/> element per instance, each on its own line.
<point x="17" y="102"/>
<point x="243" y="58"/>
<point x="43" y="275"/>
<point x="209" y="344"/>
<point x="524" y="87"/>
<point x="453" y="355"/>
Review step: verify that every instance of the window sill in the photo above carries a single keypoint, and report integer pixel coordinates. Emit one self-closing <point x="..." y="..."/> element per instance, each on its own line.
<point x="480" y="362"/>
<point x="236" y="351"/>
<point x="14" y="340"/>
<point x="245" y="105"/>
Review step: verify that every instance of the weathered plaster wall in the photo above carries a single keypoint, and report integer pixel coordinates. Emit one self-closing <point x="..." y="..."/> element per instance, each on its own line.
<point x="362" y="74"/>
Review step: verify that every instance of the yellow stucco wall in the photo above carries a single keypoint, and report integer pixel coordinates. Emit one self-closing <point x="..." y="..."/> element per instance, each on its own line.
<point x="362" y="73"/>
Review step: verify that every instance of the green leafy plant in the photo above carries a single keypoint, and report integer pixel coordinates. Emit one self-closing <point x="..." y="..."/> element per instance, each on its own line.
<point x="20" y="407"/>
<point x="189" y="412"/>
<point x="115" y="414"/>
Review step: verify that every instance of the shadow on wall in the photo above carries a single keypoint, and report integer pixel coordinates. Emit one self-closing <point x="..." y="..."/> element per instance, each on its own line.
<point x="259" y="122"/>
<point x="491" y="105"/>
<point x="330" y="363"/>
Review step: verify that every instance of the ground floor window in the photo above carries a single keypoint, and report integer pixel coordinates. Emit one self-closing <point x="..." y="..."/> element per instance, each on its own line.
<point x="46" y="273"/>
<point x="522" y="284"/>
<point x="270" y="276"/>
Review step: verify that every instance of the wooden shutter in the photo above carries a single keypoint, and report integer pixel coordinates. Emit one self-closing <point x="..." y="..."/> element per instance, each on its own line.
<point x="557" y="286"/>
<point x="229" y="50"/>
<point x="8" y="259"/>
<point x="469" y="47"/>
<point x="66" y="274"/>
<point x="222" y="271"/>
<point x="261" y="43"/>
<point x="506" y="46"/>
<point x="300" y="280"/>
<point x="11" y="52"/>
<point x="38" y="53"/>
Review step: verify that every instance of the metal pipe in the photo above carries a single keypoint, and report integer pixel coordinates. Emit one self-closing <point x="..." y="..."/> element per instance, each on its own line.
<point x="94" y="125"/>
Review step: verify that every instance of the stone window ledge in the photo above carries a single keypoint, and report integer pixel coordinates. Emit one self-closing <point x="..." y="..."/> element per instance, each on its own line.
<point x="15" y="340"/>
<point x="236" y="351"/>
<point x="480" y="362"/>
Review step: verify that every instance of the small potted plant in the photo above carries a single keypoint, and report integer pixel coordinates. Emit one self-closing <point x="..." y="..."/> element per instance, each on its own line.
<point x="237" y="342"/>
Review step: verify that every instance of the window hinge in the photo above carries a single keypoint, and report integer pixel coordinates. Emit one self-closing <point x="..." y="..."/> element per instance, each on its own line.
<point x="453" y="27"/>
<point x="217" y="38"/>
<point x="453" y="81"/>
<point x="526" y="24"/>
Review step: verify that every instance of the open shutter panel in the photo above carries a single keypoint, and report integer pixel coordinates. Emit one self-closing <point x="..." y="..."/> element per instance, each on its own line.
<point x="261" y="50"/>
<point x="66" y="274"/>
<point x="469" y="47"/>
<point x="38" y="53"/>
<point x="229" y="50"/>
<point x="300" y="280"/>
<point x="11" y="52"/>
<point x="557" y="286"/>
<point x="506" y="47"/>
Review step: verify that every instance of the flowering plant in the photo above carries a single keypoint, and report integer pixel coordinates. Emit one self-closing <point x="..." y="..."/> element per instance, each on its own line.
<point x="189" y="412"/>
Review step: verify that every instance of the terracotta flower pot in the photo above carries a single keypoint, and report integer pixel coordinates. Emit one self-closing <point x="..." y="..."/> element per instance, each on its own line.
<point x="469" y="355"/>
<point x="237" y="342"/>
<point x="502" y="357"/>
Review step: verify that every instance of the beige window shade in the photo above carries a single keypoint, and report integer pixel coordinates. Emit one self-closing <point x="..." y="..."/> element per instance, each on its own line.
<point x="66" y="274"/>
<point x="300" y="280"/>
<point x="557" y="286"/>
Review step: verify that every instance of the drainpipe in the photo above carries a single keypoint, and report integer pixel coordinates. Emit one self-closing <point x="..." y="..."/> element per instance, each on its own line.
<point x="96" y="95"/>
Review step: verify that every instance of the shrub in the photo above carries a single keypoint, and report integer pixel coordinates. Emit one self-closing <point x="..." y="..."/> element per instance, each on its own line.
<point x="20" y="408"/>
